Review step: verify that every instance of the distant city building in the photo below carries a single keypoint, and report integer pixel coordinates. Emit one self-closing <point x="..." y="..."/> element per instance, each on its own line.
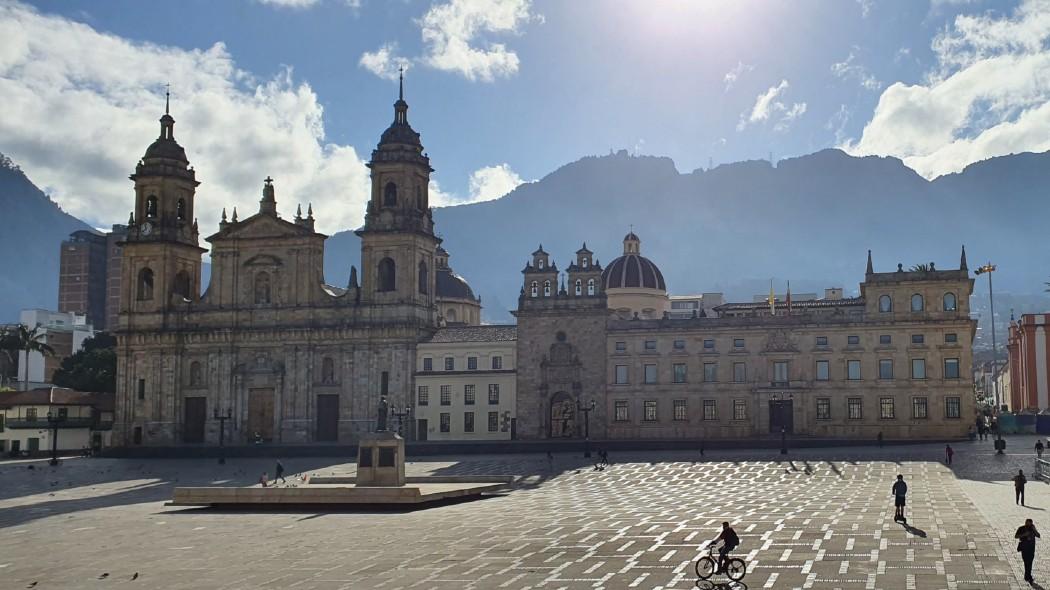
<point x="64" y="332"/>
<point x="1027" y="378"/>
<point x="84" y="420"/>
<point x="687" y="306"/>
<point x="89" y="275"/>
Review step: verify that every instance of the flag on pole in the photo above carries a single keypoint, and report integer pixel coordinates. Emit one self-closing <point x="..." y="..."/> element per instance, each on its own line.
<point x="789" y="298"/>
<point x="772" y="299"/>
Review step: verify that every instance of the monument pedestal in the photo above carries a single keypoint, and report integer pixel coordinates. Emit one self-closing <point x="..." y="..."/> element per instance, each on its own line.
<point x="381" y="460"/>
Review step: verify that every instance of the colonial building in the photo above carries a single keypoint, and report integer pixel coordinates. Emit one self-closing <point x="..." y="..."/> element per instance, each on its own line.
<point x="81" y="420"/>
<point x="1025" y="382"/>
<point x="896" y="359"/>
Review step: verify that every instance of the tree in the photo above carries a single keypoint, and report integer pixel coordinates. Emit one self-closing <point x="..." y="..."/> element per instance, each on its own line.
<point x="92" y="368"/>
<point x="24" y="339"/>
<point x="921" y="267"/>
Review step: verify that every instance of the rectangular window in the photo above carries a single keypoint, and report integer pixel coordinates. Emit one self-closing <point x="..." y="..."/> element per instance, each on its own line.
<point x="468" y="421"/>
<point x="951" y="338"/>
<point x="953" y="407"/>
<point x="853" y="407"/>
<point x="780" y="371"/>
<point x="739" y="409"/>
<point x="917" y="339"/>
<point x="2" y="425"/>
<point x="679" y="373"/>
<point x="853" y="340"/>
<point x="468" y="394"/>
<point x="823" y="370"/>
<point x="428" y="364"/>
<point x="142" y="389"/>
<point x="493" y="421"/>
<point x="136" y="435"/>
<point x="885" y="339"/>
<point x="650" y="345"/>
<point x="621" y="374"/>
<point x="822" y="340"/>
<point x="885" y="368"/>
<point x="679" y="344"/>
<point x="853" y="370"/>
<point x="738" y="343"/>
<point x="621" y="347"/>
<point x="709" y="344"/>
<point x="384" y="382"/>
<point x="650" y="373"/>
<point x="450" y="363"/>
<point x="472" y="363"/>
<point x="650" y="411"/>
<point x="918" y="368"/>
<point x="886" y="408"/>
<point x="951" y="368"/>
<point x="919" y="408"/>
<point x="680" y="410"/>
<point x="739" y="372"/>
<point x="446" y="422"/>
<point x="823" y="408"/>
<point x="31" y="414"/>
<point x="423" y="396"/>
<point x="493" y="394"/>
<point x="497" y="363"/>
<point x="710" y="410"/>
<point x="710" y="372"/>
<point x="446" y="395"/>
<point x="620" y="414"/>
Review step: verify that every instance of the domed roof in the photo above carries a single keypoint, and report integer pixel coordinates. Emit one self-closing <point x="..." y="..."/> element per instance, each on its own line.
<point x="632" y="270"/>
<point x="165" y="146"/>
<point x="452" y="286"/>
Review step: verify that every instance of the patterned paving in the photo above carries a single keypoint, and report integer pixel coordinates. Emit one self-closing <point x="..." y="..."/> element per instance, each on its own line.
<point x="823" y="520"/>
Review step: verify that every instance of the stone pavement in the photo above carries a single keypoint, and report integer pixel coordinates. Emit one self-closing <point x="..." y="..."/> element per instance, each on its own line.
<point x="824" y="519"/>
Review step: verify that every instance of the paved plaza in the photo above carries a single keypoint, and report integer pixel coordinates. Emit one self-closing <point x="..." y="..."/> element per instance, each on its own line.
<point x="822" y="518"/>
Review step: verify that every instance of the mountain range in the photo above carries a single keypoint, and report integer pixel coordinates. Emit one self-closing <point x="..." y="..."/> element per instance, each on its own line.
<point x="732" y="228"/>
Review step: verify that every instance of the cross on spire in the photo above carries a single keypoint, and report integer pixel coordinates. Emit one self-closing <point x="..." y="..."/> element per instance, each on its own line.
<point x="268" y="180"/>
<point x="167" y="98"/>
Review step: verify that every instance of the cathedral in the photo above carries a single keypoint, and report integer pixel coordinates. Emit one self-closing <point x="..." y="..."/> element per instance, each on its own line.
<point x="269" y="345"/>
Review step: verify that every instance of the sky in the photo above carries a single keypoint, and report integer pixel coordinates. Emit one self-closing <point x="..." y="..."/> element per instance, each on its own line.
<point x="503" y="91"/>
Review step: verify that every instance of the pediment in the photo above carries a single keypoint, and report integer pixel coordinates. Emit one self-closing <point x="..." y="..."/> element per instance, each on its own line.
<point x="261" y="226"/>
<point x="263" y="260"/>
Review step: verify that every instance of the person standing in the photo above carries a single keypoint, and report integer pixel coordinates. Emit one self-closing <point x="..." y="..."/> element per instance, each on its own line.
<point x="880" y="439"/>
<point x="1026" y="536"/>
<point x="948" y="453"/>
<point x="279" y="473"/>
<point x="1039" y="448"/>
<point x="1019" y="481"/>
<point x="900" y="490"/>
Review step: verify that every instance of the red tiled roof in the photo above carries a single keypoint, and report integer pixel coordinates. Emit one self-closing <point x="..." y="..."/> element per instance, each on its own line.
<point x="57" y="396"/>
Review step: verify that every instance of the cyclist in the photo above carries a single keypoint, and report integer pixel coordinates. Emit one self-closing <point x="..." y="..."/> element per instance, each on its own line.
<point x="729" y="541"/>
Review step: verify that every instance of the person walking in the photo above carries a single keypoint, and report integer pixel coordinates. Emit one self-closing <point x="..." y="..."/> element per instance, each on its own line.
<point x="1039" y="448"/>
<point x="1026" y="536"/>
<point x="900" y="490"/>
<point x="1019" y="481"/>
<point x="948" y="452"/>
<point x="279" y="473"/>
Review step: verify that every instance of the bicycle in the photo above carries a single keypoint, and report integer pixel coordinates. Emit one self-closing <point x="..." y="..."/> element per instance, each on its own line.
<point x="708" y="564"/>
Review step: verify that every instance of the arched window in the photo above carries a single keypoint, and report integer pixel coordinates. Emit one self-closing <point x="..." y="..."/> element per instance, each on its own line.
<point x="534" y="289"/>
<point x="579" y="287"/>
<point x="182" y="284"/>
<point x="917" y="303"/>
<point x="390" y="195"/>
<point x="145" y="284"/>
<point x="585" y="263"/>
<point x="386" y="280"/>
<point x="195" y="374"/>
<point x="539" y="264"/>
<point x="949" y="302"/>
<point x="151" y="206"/>
<point x="180" y="210"/>
<point x="327" y="370"/>
<point x="450" y="316"/>
<point x="262" y="288"/>
<point x="546" y="288"/>
<point x="590" y="286"/>
<point x="424" y="277"/>
<point x="885" y="304"/>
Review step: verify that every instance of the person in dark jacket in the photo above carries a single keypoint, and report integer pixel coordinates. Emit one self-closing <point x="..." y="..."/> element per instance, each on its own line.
<point x="1026" y="536"/>
<point x="900" y="490"/>
<point x="278" y="473"/>
<point x="730" y="541"/>
<point x="1019" y="481"/>
<point x="949" y="452"/>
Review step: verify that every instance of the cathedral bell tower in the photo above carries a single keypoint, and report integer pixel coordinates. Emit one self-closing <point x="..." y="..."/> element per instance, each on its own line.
<point x="161" y="257"/>
<point x="397" y="240"/>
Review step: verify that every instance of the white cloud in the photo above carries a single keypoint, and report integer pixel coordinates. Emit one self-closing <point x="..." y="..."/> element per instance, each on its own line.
<point x="768" y="106"/>
<point x="848" y="69"/>
<point x="986" y="96"/>
<point x="837" y="124"/>
<point x="485" y="184"/>
<point x="81" y="106"/>
<point x="290" y="3"/>
<point x="384" y="62"/>
<point x="734" y="74"/>
<point x="865" y="7"/>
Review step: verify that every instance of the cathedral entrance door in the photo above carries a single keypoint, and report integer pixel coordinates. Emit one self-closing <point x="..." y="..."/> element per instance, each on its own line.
<point x="563" y="416"/>
<point x="260" y="414"/>
<point x="194" y="415"/>
<point x="327" y="418"/>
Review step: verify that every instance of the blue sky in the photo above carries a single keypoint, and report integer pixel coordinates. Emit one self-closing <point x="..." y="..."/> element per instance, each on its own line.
<point x="505" y="91"/>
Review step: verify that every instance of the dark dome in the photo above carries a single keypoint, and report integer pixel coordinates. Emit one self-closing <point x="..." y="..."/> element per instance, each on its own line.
<point x="400" y="133"/>
<point x="166" y="148"/>
<point x="633" y="271"/>
<point x="452" y="286"/>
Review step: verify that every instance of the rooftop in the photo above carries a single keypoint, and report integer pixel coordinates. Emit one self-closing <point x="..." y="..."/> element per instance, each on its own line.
<point x="489" y="333"/>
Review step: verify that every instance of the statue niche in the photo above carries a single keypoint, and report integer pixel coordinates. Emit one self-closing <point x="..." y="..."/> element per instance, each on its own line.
<point x="560" y="369"/>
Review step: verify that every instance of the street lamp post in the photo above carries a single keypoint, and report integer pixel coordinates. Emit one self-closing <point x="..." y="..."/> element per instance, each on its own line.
<point x="586" y="409"/>
<point x="405" y="412"/>
<point x="779" y="401"/>
<point x="53" y="421"/>
<point x="1000" y="444"/>
<point x="222" y="433"/>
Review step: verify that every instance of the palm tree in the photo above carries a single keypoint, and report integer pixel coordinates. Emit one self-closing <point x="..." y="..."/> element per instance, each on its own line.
<point x="921" y="268"/>
<point x="25" y="339"/>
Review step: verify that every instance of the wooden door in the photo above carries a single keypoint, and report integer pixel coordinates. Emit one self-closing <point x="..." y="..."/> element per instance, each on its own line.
<point x="194" y="415"/>
<point x="260" y="414"/>
<point x="421" y="429"/>
<point x="327" y="418"/>
<point x="781" y="416"/>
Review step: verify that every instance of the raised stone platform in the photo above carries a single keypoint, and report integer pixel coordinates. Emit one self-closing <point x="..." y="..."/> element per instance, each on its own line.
<point x="330" y="494"/>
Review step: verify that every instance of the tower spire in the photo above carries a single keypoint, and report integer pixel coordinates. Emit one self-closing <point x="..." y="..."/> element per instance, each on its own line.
<point x="401" y="82"/>
<point x="268" y="203"/>
<point x="167" y="99"/>
<point x="962" y="259"/>
<point x="869" y="270"/>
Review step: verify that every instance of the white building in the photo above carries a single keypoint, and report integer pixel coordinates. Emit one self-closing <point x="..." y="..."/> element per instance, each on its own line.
<point x="703" y="305"/>
<point x="85" y="420"/>
<point x="64" y="332"/>
<point x="465" y="384"/>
